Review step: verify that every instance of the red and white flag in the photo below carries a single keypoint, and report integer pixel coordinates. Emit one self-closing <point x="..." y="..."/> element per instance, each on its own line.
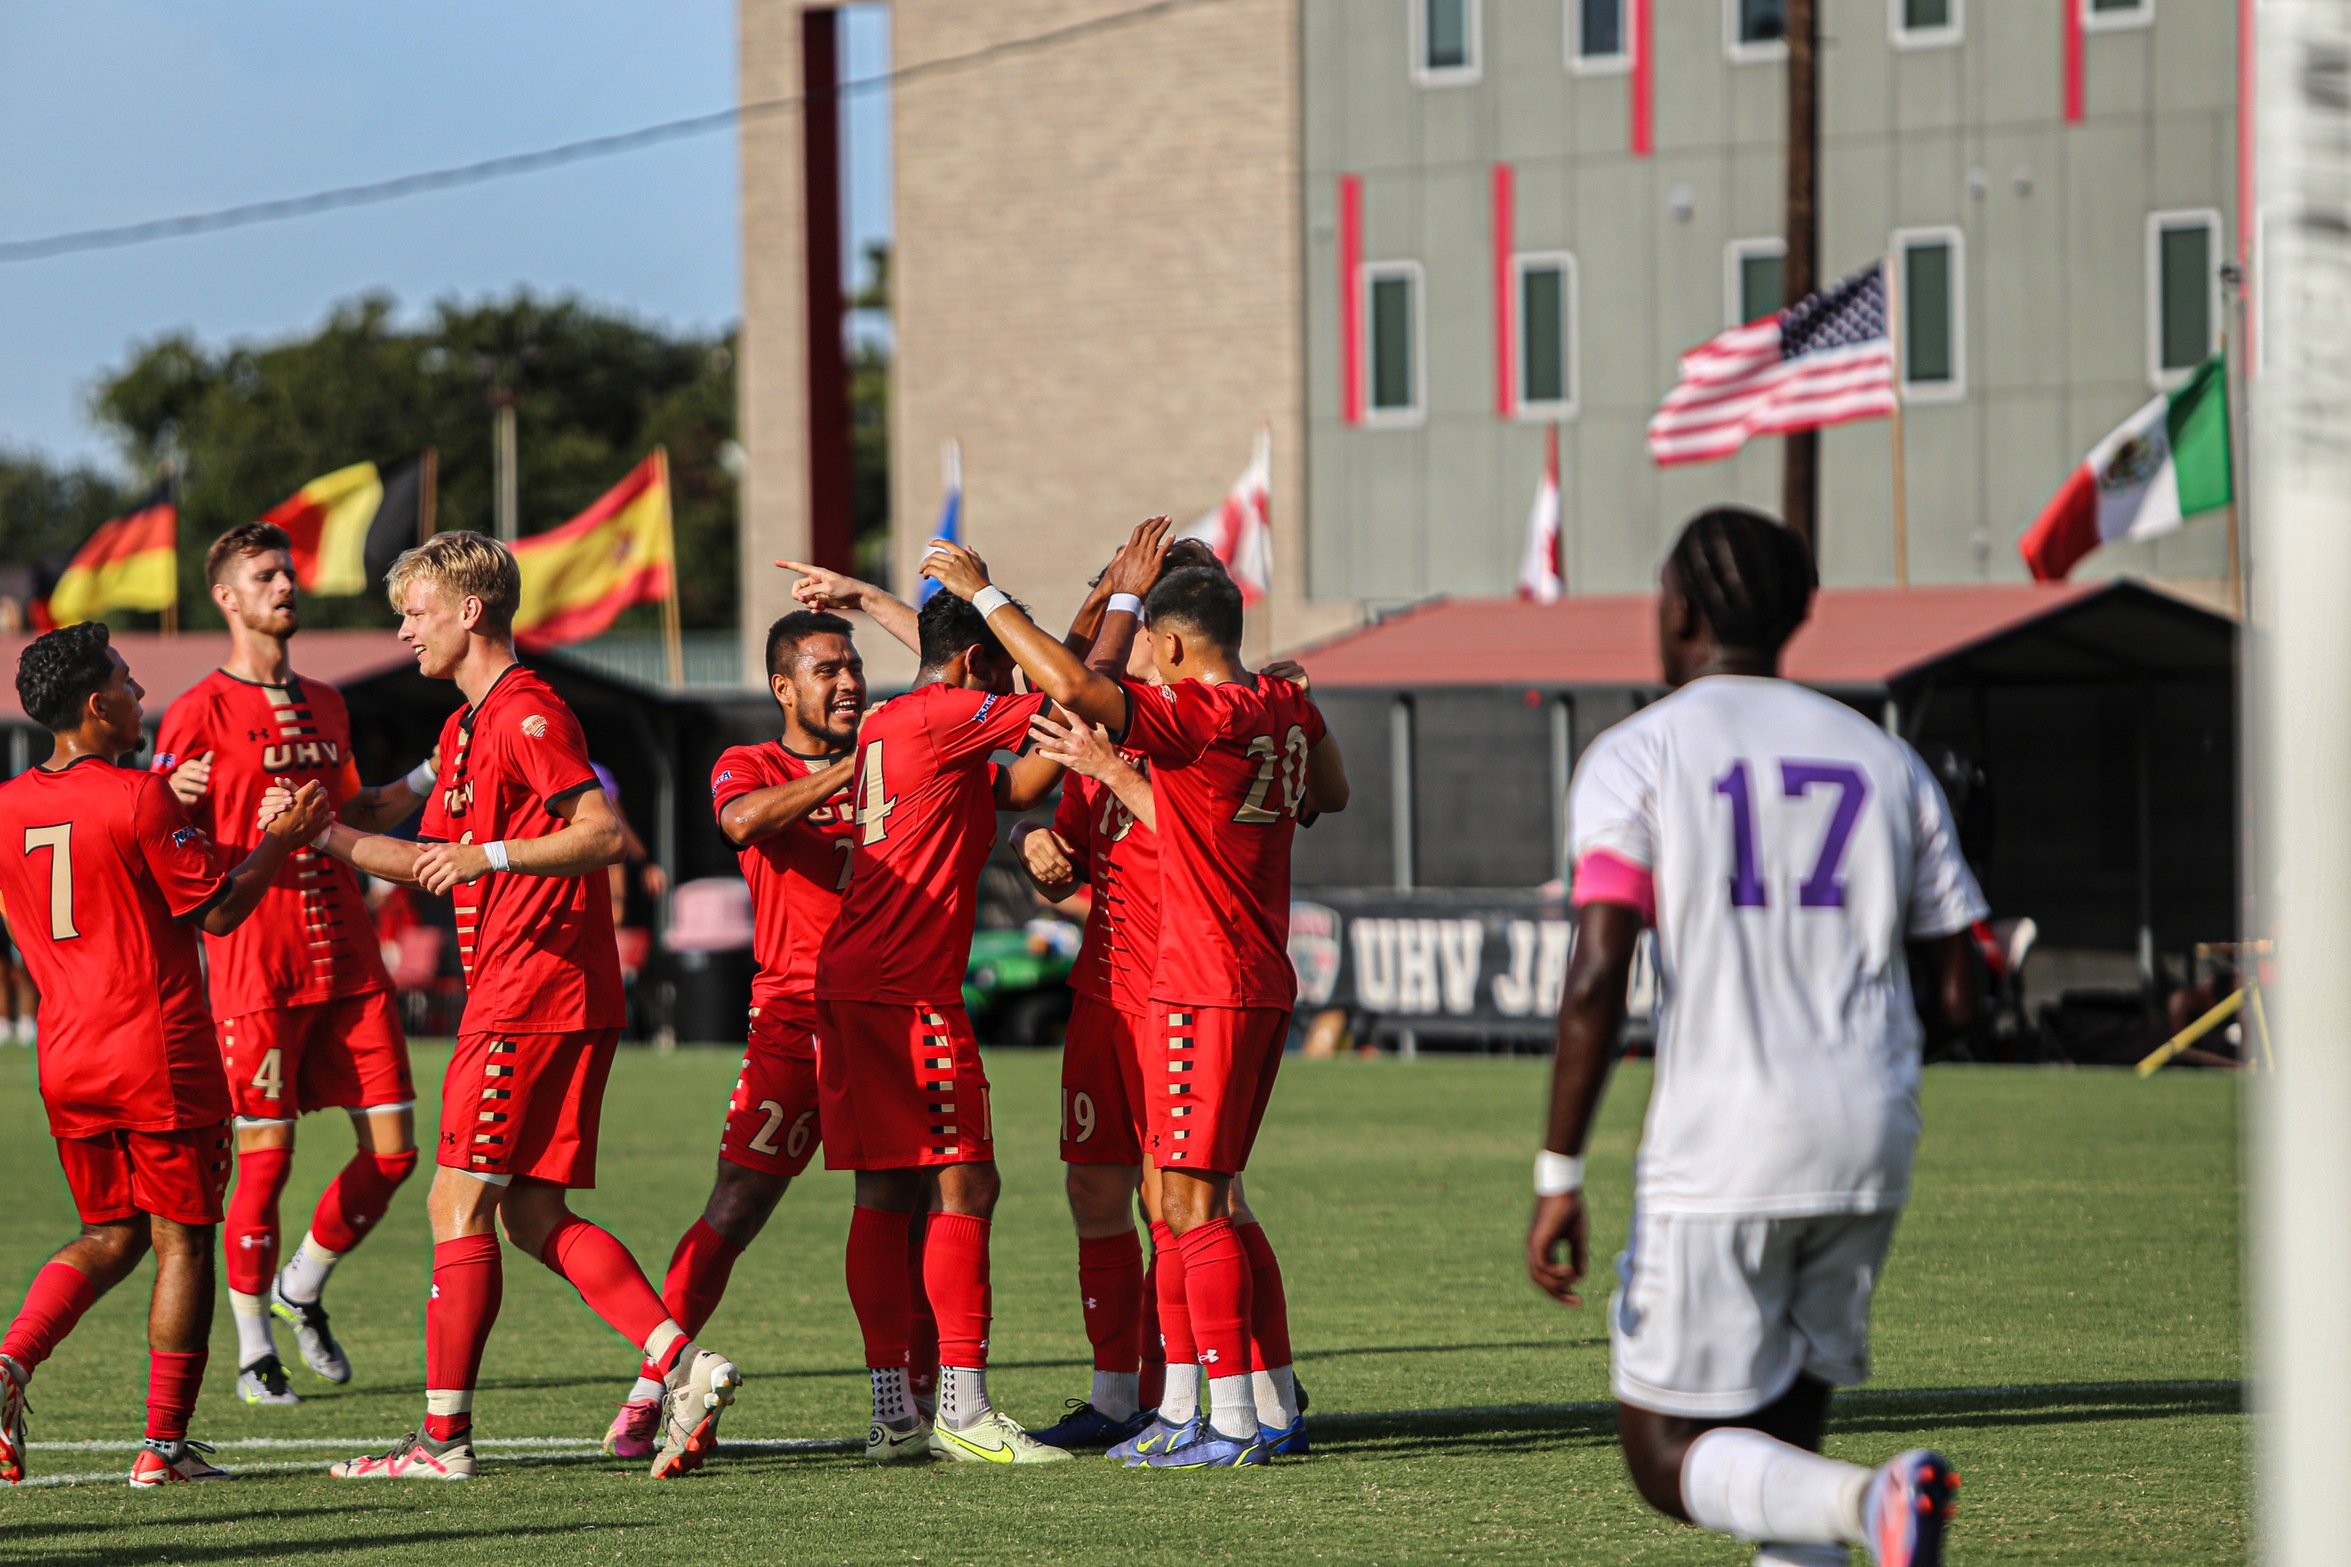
<point x="1823" y="360"/>
<point x="1241" y="530"/>
<point x="1538" y="574"/>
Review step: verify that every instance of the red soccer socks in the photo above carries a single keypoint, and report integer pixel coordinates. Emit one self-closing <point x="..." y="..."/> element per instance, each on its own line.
<point x="607" y="1277"/>
<point x="1216" y="1288"/>
<point x="59" y="1295"/>
<point x="1110" y="1285"/>
<point x="1153" y="1381"/>
<point x="922" y="1327"/>
<point x="1269" y="1306"/>
<point x="877" y="1269"/>
<point x="1172" y="1296"/>
<point x="172" y="1383"/>
<point x="467" y="1285"/>
<point x="955" y="1276"/>
<point x="697" y="1278"/>
<point x="356" y="1198"/>
<point x="251" y="1235"/>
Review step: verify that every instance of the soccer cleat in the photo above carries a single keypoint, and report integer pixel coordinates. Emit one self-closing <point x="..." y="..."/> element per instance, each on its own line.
<point x="12" y="1413"/>
<point x="1288" y="1442"/>
<point x="1205" y="1447"/>
<point x="632" y="1430"/>
<point x="415" y="1457"/>
<point x="995" y="1438"/>
<point x="1086" y="1426"/>
<point x="690" y="1411"/>
<point x="312" y="1336"/>
<point x="264" y="1383"/>
<point x="171" y="1463"/>
<point x="1154" y="1436"/>
<point x="1909" y="1505"/>
<point x="888" y="1445"/>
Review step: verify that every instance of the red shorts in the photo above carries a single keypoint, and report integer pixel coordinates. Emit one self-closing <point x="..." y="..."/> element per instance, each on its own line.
<point x="177" y="1175"/>
<point x="900" y="1085"/>
<point x="346" y="1054"/>
<point x="1102" y="1084"/>
<point x="1218" y="1065"/>
<point x="526" y="1104"/>
<point x="772" y="1118"/>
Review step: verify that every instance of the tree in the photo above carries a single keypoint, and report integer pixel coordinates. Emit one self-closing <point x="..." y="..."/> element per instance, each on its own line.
<point x="869" y="420"/>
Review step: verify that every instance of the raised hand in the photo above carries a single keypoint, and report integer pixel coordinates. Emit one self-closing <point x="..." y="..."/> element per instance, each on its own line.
<point x="1288" y="669"/>
<point x="822" y="588"/>
<point x="1135" y="568"/>
<point x="958" y="570"/>
<point x="1061" y="736"/>
<point x="191" y="778"/>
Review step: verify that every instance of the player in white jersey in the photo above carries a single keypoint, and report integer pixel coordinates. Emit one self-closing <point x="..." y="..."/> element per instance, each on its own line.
<point x="1786" y="850"/>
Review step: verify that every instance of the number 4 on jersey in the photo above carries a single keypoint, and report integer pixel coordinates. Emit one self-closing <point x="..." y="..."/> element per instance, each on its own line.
<point x="873" y="804"/>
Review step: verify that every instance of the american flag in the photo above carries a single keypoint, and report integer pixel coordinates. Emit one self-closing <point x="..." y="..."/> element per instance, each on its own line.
<point x="1823" y="360"/>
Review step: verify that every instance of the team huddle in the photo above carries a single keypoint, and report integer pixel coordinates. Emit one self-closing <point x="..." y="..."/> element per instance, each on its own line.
<point x="1775" y="1162"/>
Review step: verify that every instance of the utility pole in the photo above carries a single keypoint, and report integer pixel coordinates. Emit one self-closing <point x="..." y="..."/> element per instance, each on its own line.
<point x="1800" y="453"/>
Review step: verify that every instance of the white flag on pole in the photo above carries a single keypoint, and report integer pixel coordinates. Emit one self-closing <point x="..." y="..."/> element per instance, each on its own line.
<point x="1538" y="574"/>
<point x="1241" y="530"/>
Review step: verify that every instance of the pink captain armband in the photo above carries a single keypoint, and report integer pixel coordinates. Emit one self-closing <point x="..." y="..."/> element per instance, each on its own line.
<point x="1602" y="877"/>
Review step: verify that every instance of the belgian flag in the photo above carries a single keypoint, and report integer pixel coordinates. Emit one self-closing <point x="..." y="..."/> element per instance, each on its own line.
<point x="131" y="562"/>
<point x="348" y="526"/>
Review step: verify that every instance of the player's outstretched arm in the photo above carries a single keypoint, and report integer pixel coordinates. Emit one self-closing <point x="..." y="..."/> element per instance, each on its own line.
<point x="1027" y="783"/>
<point x="1591" y="1016"/>
<point x="294" y="822"/>
<point x="589" y="840"/>
<point x="761" y="813"/>
<point x="1327" y="789"/>
<point x="819" y="588"/>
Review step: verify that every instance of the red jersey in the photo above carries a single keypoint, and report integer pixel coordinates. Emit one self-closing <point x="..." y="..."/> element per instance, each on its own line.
<point x="1120" y="857"/>
<point x="540" y="957"/>
<point x="102" y="874"/>
<point x="796" y="875"/>
<point x="311" y="939"/>
<point x="926" y="818"/>
<point x="1228" y="772"/>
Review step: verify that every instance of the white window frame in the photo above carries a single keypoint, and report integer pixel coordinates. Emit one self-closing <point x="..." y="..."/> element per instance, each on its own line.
<point x="1744" y="53"/>
<point x="1898" y="247"/>
<point x="1374" y="416"/>
<point x="1738" y="250"/>
<point x="1582" y="64"/>
<point x="1564" y="409"/>
<point x="1423" y="74"/>
<point x="2139" y="15"/>
<point x="2208" y="219"/>
<point x="1944" y="37"/>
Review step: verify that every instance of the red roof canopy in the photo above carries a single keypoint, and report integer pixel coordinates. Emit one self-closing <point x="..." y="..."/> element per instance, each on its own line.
<point x="1857" y="637"/>
<point x="167" y="666"/>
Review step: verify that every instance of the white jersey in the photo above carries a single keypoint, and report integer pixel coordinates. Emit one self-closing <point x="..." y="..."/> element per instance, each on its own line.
<point x="1794" y="847"/>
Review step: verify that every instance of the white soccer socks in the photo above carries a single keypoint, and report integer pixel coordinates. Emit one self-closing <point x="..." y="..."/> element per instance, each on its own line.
<point x="963" y="1396"/>
<point x="893" y="1402"/>
<point x="1179" y="1401"/>
<point x="305" y="1273"/>
<point x="1116" y="1393"/>
<point x="1232" y="1406"/>
<point x="1277" y="1398"/>
<point x="1755" y="1487"/>
<point x="252" y="1314"/>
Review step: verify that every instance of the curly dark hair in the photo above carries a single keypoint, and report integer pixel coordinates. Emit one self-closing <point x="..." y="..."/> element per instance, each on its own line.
<point x="1749" y="576"/>
<point x="1199" y="599"/>
<point x="949" y="625"/>
<point x="58" y="673"/>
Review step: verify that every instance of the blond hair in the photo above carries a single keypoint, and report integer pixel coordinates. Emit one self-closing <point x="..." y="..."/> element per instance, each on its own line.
<point x="462" y="565"/>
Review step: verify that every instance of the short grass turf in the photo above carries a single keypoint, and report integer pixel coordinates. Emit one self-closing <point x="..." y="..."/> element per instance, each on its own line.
<point x="2060" y="1314"/>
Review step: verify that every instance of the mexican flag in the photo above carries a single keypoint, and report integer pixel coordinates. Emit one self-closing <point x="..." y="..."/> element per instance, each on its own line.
<point x="2161" y="466"/>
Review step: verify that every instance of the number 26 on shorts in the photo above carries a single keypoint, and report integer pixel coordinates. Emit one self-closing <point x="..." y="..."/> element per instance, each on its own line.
<point x="1821" y="889"/>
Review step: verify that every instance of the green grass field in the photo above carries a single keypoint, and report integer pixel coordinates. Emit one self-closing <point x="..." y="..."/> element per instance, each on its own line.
<point x="2061" y="1315"/>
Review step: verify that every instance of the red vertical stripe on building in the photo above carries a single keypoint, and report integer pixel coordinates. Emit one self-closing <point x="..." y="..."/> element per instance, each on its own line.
<point x="2073" y="61"/>
<point x="1505" y="313"/>
<point x="1643" y="94"/>
<point x="1351" y="297"/>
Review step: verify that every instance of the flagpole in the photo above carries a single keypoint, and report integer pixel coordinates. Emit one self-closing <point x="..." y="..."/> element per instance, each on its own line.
<point x="673" y="638"/>
<point x="430" y="500"/>
<point x="1901" y="487"/>
<point x="171" y="607"/>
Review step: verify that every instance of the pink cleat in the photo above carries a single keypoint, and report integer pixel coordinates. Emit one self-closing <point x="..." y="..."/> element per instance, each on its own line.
<point x="1909" y="1506"/>
<point x="633" y="1429"/>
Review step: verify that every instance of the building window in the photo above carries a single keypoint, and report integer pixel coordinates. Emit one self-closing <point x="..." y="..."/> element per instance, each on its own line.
<point x="1392" y="362"/>
<point x="1934" y="313"/>
<point x="1444" y="42"/>
<point x="1546" y="287"/>
<point x="2183" y="293"/>
<point x="1924" y="24"/>
<point x="1755" y="29"/>
<point x="1751" y="279"/>
<point x="2097" y="14"/>
<point x="1599" y="37"/>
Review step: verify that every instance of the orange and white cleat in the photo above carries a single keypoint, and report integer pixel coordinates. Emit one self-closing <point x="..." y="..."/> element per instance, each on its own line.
<point x="174" y="1463"/>
<point x="12" y="1412"/>
<point x="416" y="1457"/>
<point x="1909" y="1507"/>
<point x="701" y="1387"/>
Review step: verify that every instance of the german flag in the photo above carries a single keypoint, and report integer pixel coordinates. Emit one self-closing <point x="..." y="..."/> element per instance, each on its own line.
<point x="576" y="579"/>
<point x="131" y="562"/>
<point x="349" y="525"/>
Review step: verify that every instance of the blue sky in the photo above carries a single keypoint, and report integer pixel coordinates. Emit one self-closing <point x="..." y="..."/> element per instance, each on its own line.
<point x="113" y="111"/>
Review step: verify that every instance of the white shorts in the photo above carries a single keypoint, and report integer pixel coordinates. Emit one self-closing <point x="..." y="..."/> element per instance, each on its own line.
<point x="1716" y="1317"/>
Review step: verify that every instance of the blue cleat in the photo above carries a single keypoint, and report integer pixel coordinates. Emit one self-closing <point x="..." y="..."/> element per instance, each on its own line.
<point x="1152" y="1438"/>
<point x="1288" y="1442"/>
<point x="1086" y="1426"/>
<point x="1205" y="1447"/>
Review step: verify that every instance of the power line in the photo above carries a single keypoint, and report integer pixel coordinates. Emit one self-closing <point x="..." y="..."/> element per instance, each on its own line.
<point x="376" y="192"/>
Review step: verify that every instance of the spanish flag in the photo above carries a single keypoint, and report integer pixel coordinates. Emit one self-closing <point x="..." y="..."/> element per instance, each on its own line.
<point x="576" y="579"/>
<point x="348" y="526"/>
<point x="131" y="562"/>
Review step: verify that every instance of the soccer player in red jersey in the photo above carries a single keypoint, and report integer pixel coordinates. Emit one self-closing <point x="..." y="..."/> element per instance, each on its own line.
<point x="516" y="834"/>
<point x="1235" y="758"/>
<point x="105" y="878"/>
<point x="785" y="806"/>
<point x="903" y="1097"/>
<point x="299" y="992"/>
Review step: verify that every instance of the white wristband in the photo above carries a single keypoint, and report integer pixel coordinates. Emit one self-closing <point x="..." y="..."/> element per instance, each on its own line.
<point x="324" y="833"/>
<point x="495" y="853"/>
<point x="990" y="599"/>
<point x="420" y="778"/>
<point x="1556" y="1174"/>
<point x="1126" y="603"/>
